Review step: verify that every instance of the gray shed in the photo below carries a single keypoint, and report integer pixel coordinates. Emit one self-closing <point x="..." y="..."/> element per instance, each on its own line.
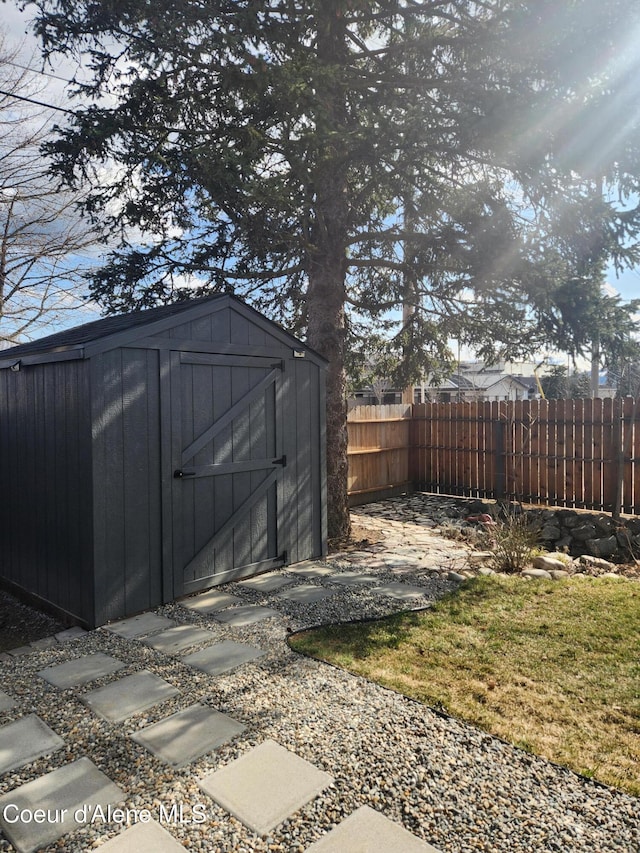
<point x="154" y="454"/>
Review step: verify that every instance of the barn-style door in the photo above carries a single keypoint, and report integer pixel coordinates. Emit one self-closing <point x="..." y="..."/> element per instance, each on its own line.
<point x="227" y="461"/>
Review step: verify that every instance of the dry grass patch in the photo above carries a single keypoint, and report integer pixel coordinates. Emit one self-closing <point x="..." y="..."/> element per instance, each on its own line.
<point x="552" y="667"/>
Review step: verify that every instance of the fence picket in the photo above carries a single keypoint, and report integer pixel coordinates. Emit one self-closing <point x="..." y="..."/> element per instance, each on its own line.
<point x="562" y="452"/>
<point x="609" y="466"/>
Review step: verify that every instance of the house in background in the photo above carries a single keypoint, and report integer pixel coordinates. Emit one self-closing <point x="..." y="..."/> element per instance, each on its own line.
<point x="471" y="382"/>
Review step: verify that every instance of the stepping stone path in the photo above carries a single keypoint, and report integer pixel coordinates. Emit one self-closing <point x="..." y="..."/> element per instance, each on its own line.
<point x="222" y="657"/>
<point x="63" y="794"/>
<point x="177" y="639"/>
<point x="367" y="831"/>
<point x="311" y="571"/>
<point x="140" y="626"/>
<point x="265" y="786"/>
<point x="354" y="579"/>
<point x="6" y="702"/>
<point x="73" y="673"/>
<point x="187" y="735"/>
<point x="129" y="695"/>
<point x="143" y="838"/>
<point x="266" y="583"/>
<point x="210" y="601"/>
<point x="24" y="741"/>
<point x="239" y="617"/>
<point x="305" y="594"/>
<point x="401" y="591"/>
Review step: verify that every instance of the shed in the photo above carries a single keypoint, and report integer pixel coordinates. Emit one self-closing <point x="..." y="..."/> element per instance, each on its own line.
<point x="157" y="453"/>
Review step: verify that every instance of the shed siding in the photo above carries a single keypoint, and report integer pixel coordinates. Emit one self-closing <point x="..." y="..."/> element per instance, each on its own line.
<point x="127" y="470"/>
<point x="46" y="486"/>
<point x="303" y="503"/>
<point x="94" y="520"/>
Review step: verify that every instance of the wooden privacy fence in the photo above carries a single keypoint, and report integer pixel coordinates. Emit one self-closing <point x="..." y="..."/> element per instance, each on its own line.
<point x="379" y="448"/>
<point x="574" y="453"/>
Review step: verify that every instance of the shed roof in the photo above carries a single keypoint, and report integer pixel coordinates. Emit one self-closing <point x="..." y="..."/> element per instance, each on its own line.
<point x="70" y="341"/>
<point x="89" y="332"/>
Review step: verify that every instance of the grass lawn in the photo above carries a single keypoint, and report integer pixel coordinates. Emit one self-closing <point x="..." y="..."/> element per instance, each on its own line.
<point x="553" y="667"/>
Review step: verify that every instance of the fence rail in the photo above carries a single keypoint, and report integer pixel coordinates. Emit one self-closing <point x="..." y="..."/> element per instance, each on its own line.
<point x="573" y="453"/>
<point x="378" y="451"/>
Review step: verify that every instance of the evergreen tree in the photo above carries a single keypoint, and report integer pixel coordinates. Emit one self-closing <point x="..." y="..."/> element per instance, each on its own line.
<point x="328" y="159"/>
<point x="558" y="385"/>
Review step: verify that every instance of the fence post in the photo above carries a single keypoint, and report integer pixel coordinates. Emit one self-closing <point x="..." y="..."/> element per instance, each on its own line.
<point x="499" y="432"/>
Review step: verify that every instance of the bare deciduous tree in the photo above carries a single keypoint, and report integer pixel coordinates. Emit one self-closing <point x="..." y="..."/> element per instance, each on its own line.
<point x="44" y="244"/>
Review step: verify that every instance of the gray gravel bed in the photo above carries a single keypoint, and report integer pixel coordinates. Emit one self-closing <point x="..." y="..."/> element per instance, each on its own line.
<point x="448" y="783"/>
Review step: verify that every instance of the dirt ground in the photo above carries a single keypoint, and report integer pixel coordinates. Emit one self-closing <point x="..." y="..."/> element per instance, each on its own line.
<point x="21" y="624"/>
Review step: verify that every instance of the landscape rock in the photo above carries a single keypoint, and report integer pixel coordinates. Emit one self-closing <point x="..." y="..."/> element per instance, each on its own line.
<point x="540" y="574"/>
<point x="456" y="576"/>
<point x="549" y="563"/>
<point x="568" y="517"/>
<point x="559" y="574"/>
<point x="589" y="560"/>
<point x="604" y="547"/>
<point x="604" y="524"/>
<point x="584" y="532"/>
<point x="550" y="532"/>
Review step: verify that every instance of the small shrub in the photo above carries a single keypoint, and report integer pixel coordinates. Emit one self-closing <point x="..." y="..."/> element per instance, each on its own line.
<point x="513" y="542"/>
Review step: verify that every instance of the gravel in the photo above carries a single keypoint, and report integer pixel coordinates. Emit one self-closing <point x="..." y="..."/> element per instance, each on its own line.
<point x="448" y="783"/>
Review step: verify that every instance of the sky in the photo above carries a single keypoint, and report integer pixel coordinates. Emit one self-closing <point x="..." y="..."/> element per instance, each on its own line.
<point x="15" y="25"/>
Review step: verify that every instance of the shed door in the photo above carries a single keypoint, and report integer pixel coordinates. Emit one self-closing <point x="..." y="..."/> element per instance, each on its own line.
<point x="228" y="463"/>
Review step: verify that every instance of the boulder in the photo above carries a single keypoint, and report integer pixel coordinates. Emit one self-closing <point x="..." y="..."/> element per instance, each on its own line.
<point x="548" y="563"/>
<point x="604" y="547"/>
<point x="550" y="532"/>
<point x="568" y="517"/>
<point x="604" y="524"/>
<point x="456" y="576"/>
<point x="597" y="562"/>
<point x="584" y="532"/>
<point x="540" y="574"/>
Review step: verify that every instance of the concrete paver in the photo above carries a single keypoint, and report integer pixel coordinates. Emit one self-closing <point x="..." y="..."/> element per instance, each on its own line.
<point x="139" y="626"/>
<point x="368" y="831"/>
<point x="129" y="695"/>
<point x="72" y="633"/>
<point x="185" y="736"/>
<point x="79" y="671"/>
<point x="180" y="637"/>
<point x="354" y="578"/>
<point x="210" y="601"/>
<point x="238" y="617"/>
<point x="265" y="786"/>
<point x="399" y="590"/>
<point x="310" y="570"/>
<point x="222" y="657"/>
<point x="143" y="838"/>
<point x="62" y="795"/>
<point x="6" y="702"/>
<point x="305" y="594"/>
<point x="25" y="740"/>
<point x="267" y="582"/>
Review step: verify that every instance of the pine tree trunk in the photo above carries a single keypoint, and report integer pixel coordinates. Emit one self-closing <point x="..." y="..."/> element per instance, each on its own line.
<point x="327" y="265"/>
<point x="325" y="305"/>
